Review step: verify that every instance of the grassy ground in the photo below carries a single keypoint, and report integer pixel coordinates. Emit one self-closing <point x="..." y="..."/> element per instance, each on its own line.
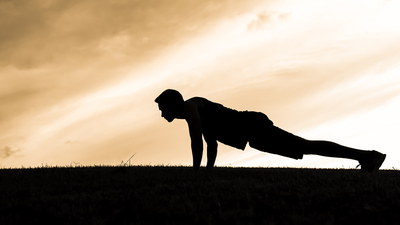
<point x="176" y="195"/>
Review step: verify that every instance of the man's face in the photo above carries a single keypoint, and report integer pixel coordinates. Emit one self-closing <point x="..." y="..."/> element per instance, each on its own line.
<point x="166" y="112"/>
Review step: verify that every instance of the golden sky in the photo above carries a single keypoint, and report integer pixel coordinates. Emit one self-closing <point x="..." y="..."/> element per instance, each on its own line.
<point x="78" y="79"/>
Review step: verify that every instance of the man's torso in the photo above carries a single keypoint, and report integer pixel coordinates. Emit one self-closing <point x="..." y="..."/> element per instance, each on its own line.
<point x="229" y="126"/>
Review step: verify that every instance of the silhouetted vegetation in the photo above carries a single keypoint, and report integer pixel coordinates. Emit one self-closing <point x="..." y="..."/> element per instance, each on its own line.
<point x="177" y="195"/>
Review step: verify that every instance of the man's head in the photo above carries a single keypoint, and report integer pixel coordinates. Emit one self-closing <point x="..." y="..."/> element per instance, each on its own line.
<point x="171" y="103"/>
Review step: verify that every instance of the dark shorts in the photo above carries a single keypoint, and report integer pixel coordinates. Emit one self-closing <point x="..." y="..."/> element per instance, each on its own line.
<point x="237" y="128"/>
<point x="277" y="141"/>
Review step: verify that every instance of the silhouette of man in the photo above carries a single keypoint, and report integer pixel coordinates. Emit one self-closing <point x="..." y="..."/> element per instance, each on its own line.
<point x="216" y="122"/>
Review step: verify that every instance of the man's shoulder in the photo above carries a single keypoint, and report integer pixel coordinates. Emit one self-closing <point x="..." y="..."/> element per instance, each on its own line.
<point x="197" y="102"/>
<point x="192" y="106"/>
<point x="195" y="99"/>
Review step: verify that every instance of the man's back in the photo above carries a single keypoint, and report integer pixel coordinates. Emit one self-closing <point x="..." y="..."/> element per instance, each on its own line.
<point x="226" y="125"/>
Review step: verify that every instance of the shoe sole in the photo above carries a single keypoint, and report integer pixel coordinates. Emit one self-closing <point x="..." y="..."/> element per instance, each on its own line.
<point x="379" y="163"/>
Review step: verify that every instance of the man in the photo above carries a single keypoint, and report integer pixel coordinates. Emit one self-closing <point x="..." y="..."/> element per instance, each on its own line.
<point x="235" y="128"/>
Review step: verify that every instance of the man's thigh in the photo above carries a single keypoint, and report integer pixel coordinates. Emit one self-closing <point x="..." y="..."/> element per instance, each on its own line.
<point x="278" y="141"/>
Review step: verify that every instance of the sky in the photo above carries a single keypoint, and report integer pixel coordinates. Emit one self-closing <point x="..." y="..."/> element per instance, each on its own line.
<point x="78" y="79"/>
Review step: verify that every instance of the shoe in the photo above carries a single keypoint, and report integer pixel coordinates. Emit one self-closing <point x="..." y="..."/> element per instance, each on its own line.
<point x="372" y="162"/>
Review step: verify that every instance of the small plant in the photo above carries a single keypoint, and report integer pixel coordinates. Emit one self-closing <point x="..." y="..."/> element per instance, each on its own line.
<point x="128" y="161"/>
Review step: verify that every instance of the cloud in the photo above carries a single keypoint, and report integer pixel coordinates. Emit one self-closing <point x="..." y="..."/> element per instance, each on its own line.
<point x="7" y="152"/>
<point x="69" y="142"/>
<point x="265" y="18"/>
<point x="78" y="30"/>
<point x="57" y="51"/>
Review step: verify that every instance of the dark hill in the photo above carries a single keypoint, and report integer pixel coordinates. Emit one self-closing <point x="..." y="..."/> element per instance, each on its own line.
<point x="177" y="195"/>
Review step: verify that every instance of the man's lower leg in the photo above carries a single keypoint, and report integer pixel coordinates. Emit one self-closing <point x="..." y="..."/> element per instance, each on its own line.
<point x="370" y="161"/>
<point x="331" y="149"/>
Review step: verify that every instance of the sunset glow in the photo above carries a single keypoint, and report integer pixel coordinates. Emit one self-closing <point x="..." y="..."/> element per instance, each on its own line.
<point x="78" y="79"/>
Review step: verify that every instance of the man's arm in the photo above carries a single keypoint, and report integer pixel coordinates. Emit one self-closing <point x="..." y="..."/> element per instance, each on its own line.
<point x="212" y="147"/>
<point x="194" y="122"/>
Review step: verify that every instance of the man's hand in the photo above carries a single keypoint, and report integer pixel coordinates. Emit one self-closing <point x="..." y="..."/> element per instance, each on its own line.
<point x="212" y="147"/>
<point x="197" y="153"/>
